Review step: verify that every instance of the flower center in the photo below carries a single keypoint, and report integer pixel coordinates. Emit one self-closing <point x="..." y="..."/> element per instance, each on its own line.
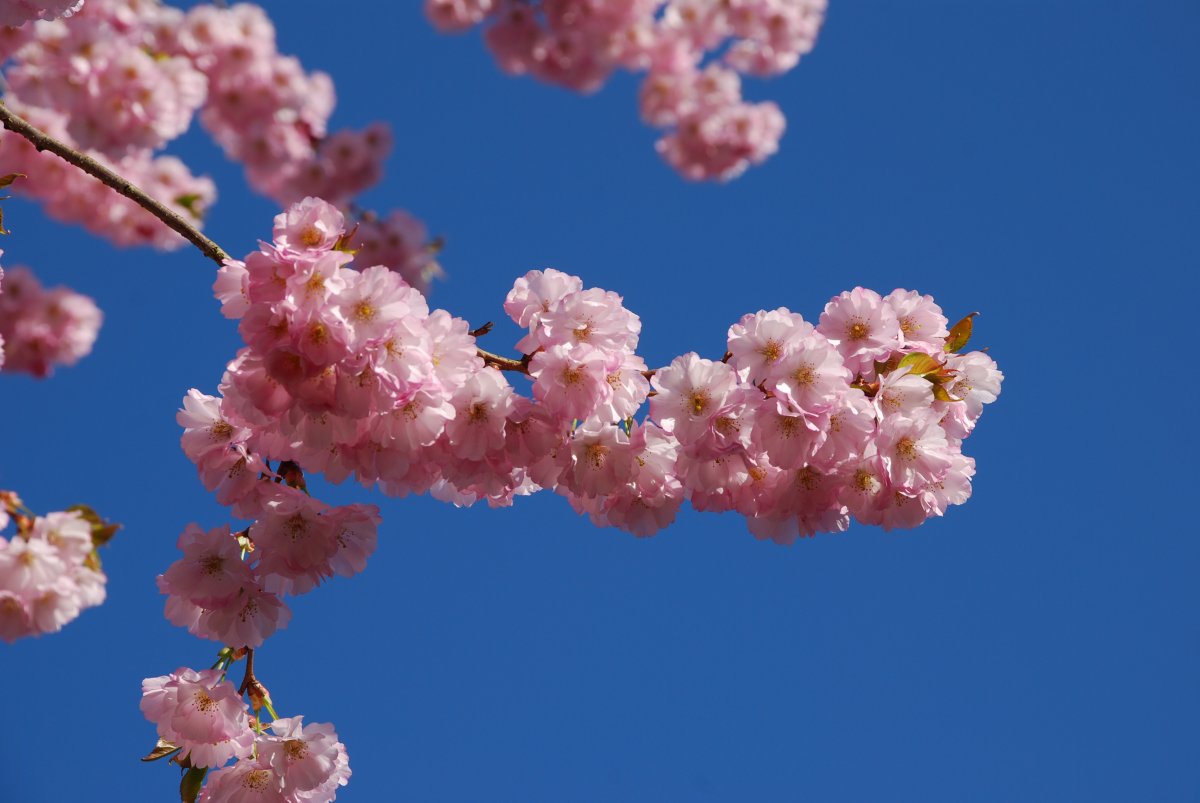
<point x="310" y="237"/>
<point x="295" y="748"/>
<point x="596" y="455"/>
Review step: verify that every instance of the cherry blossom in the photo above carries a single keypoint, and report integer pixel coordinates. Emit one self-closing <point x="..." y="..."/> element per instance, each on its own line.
<point x="42" y="328"/>
<point x="49" y="570"/>
<point x="201" y="713"/>
<point x="692" y="51"/>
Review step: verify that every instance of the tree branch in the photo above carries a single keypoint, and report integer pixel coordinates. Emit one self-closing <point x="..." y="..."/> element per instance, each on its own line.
<point x="44" y="142"/>
<point x="520" y="366"/>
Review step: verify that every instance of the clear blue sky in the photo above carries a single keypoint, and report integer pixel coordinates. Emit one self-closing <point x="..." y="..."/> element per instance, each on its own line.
<point x="1035" y="160"/>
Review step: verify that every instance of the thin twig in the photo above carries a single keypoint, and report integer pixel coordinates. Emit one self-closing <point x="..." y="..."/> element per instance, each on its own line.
<point x="520" y="366"/>
<point x="44" y="142"/>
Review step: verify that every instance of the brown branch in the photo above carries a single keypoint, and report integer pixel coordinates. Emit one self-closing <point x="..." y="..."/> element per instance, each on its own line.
<point x="44" y="142"/>
<point x="248" y="678"/>
<point x="521" y="366"/>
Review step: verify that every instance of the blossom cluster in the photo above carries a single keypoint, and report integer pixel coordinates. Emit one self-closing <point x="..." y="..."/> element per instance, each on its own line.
<point x="295" y="544"/>
<point x="18" y="12"/>
<point x="41" y="328"/>
<point x="49" y="570"/>
<point x="693" y="51"/>
<point x="202" y="715"/>
<point x="121" y="79"/>
<point x="268" y="113"/>
<point x="799" y="428"/>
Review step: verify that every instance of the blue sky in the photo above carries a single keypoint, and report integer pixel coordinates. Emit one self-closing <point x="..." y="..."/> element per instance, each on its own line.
<point x="1035" y="161"/>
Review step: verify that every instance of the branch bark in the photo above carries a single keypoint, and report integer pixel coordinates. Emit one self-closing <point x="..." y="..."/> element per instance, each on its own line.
<point x="44" y="142"/>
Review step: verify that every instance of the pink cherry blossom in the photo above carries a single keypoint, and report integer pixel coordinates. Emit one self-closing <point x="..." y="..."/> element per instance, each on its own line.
<point x="693" y="52"/>
<point x="309" y="759"/>
<point x="201" y="713"/>
<point x="863" y="328"/>
<point x="42" y="328"/>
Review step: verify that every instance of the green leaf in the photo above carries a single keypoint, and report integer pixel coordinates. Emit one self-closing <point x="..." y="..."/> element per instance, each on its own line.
<point x="919" y="363"/>
<point x="189" y="787"/>
<point x="161" y="750"/>
<point x="941" y="394"/>
<point x="343" y="242"/>
<point x="189" y="202"/>
<point x="102" y="531"/>
<point x="960" y="333"/>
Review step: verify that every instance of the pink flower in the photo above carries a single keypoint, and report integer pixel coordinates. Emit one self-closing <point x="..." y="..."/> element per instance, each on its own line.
<point x="694" y="395"/>
<point x="592" y="317"/>
<point x="599" y="458"/>
<point x="232" y="288"/>
<point x="310" y="224"/>
<point x="571" y="382"/>
<point x="27" y="565"/>
<point x="902" y="393"/>
<point x="297" y="544"/>
<point x="18" y="12"/>
<point x="811" y="375"/>
<point x="481" y="406"/>
<point x="914" y="451"/>
<point x="863" y="328"/>
<point x="205" y="429"/>
<point x="247" y="620"/>
<point x="42" y="328"/>
<point x="922" y="325"/>
<point x="757" y="342"/>
<point x="790" y="437"/>
<point x="15" y="621"/>
<point x="211" y="571"/>
<point x="355" y="530"/>
<point x="201" y="713"/>
<point x="248" y="781"/>
<point x="309" y="759"/>
<point x="977" y="383"/>
<point x="374" y="300"/>
<point x="537" y="292"/>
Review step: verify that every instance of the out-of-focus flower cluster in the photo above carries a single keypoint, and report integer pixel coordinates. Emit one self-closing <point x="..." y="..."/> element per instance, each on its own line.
<point x="49" y="569"/>
<point x="693" y="51"/>
<point x="121" y="79"/>
<point x="203" y="717"/>
<point x="19" y="12"/>
<point x="798" y="428"/>
<point x="42" y="328"/>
